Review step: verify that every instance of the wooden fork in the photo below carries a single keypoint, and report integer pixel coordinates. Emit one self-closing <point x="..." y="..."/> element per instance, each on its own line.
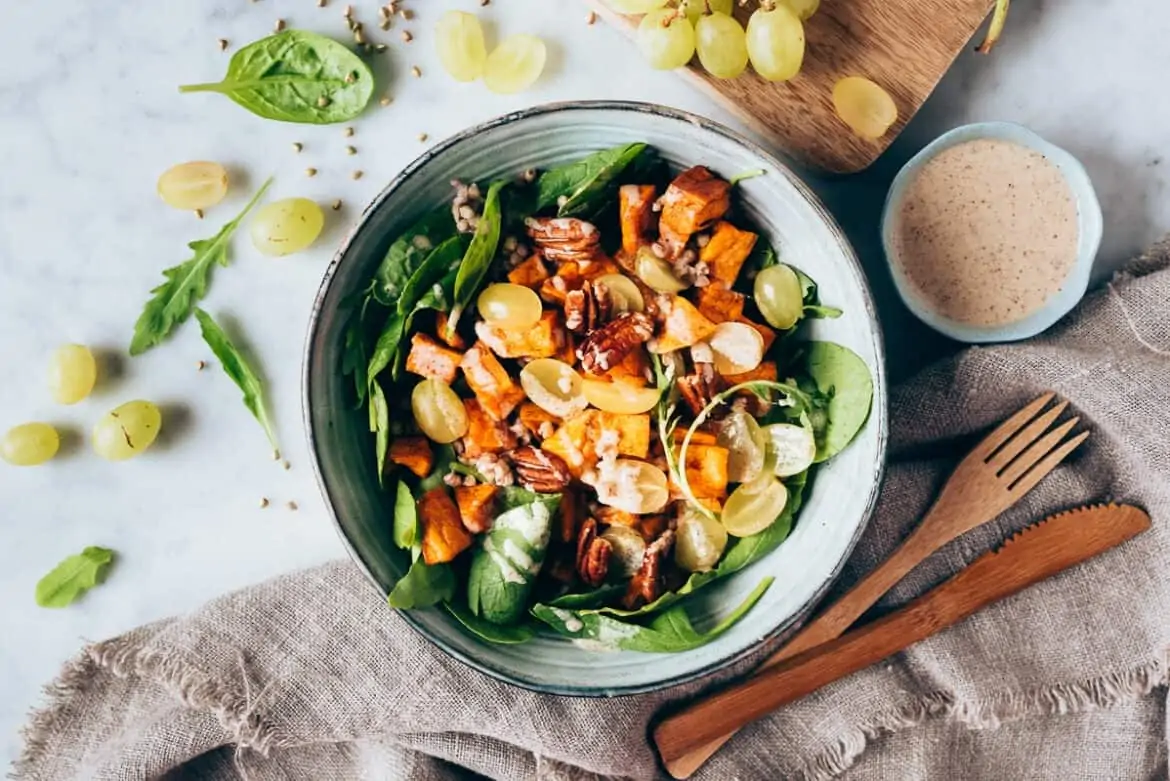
<point x="1007" y="464"/>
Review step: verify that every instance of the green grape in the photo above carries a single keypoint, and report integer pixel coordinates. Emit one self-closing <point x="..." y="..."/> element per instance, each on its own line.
<point x="438" y="411"/>
<point x="746" y="446"/>
<point x="779" y="296"/>
<point x="515" y="64"/>
<point x="460" y="44"/>
<point x="804" y="9"/>
<point x="29" y="444"/>
<point x="127" y="430"/>
<point x="722" y="45"/>
<point x="775" y="43"/>
<point x="629" y="549"/>
<point x="695" y="8"/>
<point x="287" y="226"/>
<point x="624" y="295"/>
<point x="637" y="7"/>
<point x="754" y="506"/>
<point x="699" y="542"/>
<point x="505" y="305"/>
<point x="72" y="373"/>
<point x="666" y="39"/>
<point x="791" y="448"/>
<point x="864" y="106"/>
<point x="191" y="186"/>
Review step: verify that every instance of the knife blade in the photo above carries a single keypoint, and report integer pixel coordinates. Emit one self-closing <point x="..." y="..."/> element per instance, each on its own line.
<point x="1034" y="554"/>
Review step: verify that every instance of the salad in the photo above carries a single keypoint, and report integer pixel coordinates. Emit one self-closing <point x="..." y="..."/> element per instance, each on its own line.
<point x="590" y="397"/>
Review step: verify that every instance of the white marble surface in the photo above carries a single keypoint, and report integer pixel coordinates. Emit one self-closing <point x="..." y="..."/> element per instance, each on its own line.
<point x="89" y="116"/>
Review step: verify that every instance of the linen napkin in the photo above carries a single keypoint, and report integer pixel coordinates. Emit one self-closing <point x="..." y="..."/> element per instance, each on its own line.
<point x="311" y="676"/>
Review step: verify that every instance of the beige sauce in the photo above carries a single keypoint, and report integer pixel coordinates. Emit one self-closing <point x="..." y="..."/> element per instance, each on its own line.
<point x="987" y="232"/>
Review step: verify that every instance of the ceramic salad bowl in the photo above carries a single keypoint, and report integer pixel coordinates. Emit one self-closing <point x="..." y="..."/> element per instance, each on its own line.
<point x="784" y="210"/>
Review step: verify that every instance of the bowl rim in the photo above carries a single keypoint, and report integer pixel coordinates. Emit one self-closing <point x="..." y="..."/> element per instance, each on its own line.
<point x="879" y="414"/>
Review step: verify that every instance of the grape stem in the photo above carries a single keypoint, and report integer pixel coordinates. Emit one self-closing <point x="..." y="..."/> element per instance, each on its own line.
<point x="998" y="19"/>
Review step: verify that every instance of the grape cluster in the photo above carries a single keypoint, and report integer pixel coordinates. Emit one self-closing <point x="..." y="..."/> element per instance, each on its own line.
<point x="672" y="32"/>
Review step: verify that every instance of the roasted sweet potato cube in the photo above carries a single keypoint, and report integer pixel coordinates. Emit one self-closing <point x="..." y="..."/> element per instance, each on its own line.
<point x="414" y="453"/>
<point x="726" y="252"/>
<point x="568" y="277"/>
<point x="571" y="441"/>
<point x="765" y="371"/>
<point x="577" y="439"/>
<point x="633" y="432"/>
<point x="719" y="304"/>
<point x="543" y="340"/>
<point x="695" y="199"/>
<point x="498" y="394"/>
<point x="444" y="536"/>
<point x="684" y="326"/>
<point x="612" y="516"/>
<point x="698" y="438"/>
<point x="538" y="422"/>
<point x="598" y="267"/>
<point x="568" y="350"/>
<point x="484" y="434"/>
<point x="636" y="208"/>
<point x="453" y="339"/>
<point x="707" y="470"/>
<point x="529" y="273"/>
<point x="477" y="504"/>
<point x="431" y="359"/>
<point x="631" y="371"/>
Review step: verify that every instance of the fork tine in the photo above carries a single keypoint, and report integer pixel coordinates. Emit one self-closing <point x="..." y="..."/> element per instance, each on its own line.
<point x="1014" y="446"/>
<point x="995" y="440"/>
<point x="1042" y="447"/>
<point x="1046" y="465"/>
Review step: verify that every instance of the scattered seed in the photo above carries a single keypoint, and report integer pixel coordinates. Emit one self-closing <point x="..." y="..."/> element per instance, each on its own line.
<point x="199" y="214"/>
<point x="199" y="365"/>
<point x="285" y="465"/>
<point x="406" y="36"/>
<point x="529" y="175"/>
<point x="348" y="12"/>
<point x="359" y="37"/>
<point x="422" y="136"/>
<point x="322" y="3"/>
<point x="350" y="78"/>
<point x="406" y="14"/>
<point x="323" y="101"/>
<point x="279" y="25"/>
<point x="310" y="172"/>
<point x="263" y="502"/>
<point x="347" y="132"/>
<point x="416" y="72"/>
<point x="223" y="44"/>
<point x="385" y="24"/>
<point x="356" y="174"/>
<point x="292" y="506"/>
<point x="275" y="455"/>
<point x="591" y="18"/>
<point x="297" y="146"/>
<point x="337" y="205"/>
<point x="383" y="12"/>
<point x="380" y="48"/>
<point x="386" y="100"/>
<point x="349" y="150"/>
<point x="485" y="2"/>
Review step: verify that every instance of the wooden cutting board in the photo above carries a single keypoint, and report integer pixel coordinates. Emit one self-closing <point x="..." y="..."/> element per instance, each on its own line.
<point x="904" y="45"/>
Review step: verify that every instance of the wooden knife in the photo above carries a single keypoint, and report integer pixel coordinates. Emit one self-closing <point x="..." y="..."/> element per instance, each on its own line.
<point x="1038" y="552"/>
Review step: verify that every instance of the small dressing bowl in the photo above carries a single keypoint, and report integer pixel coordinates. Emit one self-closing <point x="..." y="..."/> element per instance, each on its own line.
<point x="1089" y="227"/>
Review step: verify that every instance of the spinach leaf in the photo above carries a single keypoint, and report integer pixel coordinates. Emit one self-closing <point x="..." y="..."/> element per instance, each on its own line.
<point x="386" y="348"/>
<point x="588" y="599"/>
<point x="408" y="252"/>
<point x="511" y="497"/>
<point x="438" y="263"/>
<point x="505" y="564"/>
<point x="237" y="368"/>
<point x="423" y="585"/>
<point x="186" y="283"/>
<point x="380" y="425"/>
<point x="812" y="302"/>
<point x="296" y="76"/>
<point x="583" y="182"/>
<point x="821" y="311"/>
<point x="843" y="377"/>
<point x="355" y="348"/>
<point x="480" y="254"/>
<point x="406" y="528"/>
<point x="489" y="632"/>
<point x="73" y="577"/>
<point x="444" y="458"/>
<point x="669" y="632"/>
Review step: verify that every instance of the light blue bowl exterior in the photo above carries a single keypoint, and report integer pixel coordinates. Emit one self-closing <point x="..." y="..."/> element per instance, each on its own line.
<point x="1089" y="225"/>
<point x="845" y="490"/>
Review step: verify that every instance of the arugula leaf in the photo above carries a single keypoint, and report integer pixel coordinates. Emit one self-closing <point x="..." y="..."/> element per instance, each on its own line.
<point x="406" y="528"/>
<point x="186" y="283"/>
<point x="821" y="311"/>
<point x="408" y="251"/>
<point x="380" y="425"/>
<point x="810" y="296"/>
<point x="843" y="377"/>
<point x="480" y="253"/>
<point x="668" y="632"/>
<point x="237" y="368"/>
<point x="73" y="577"/>
<point x="296" y="76"/>
<point x="489" y="632"/>
<point x="423" y="585"/>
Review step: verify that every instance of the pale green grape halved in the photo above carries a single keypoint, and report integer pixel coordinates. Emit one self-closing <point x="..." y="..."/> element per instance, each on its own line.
<point x="287" y="226"/>
<point x="505" y="305"/>
<point x="699" y="542"/>
<point x="515" y="64"/>
<point x="864" y="106"/>
<point x="791" y="449"/>
<point x="195" y="185"/>
<point x="438" y="411"/>
<point x="460" y="44"/>
<point x="746" y="447"/>
<point x="754" y="506"/>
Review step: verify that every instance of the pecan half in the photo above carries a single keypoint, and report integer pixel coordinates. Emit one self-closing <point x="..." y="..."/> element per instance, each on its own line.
<point x="647" y="583"/>
<point x="561" y="239"/>
<point x="539" y="470"/>
<point x="588" y="308"/>
<point x="700" y="386"/>
<point x="607" y="346"/>
<point x="593" y="554"/>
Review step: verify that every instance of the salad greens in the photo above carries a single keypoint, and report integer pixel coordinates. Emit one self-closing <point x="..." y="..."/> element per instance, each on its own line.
<point x="296" y="76"/>
<point x="499" y="584"/>
<point x="236" y="367"/>
<point x="175" y="299"/>
<point x="75" y="575"/>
